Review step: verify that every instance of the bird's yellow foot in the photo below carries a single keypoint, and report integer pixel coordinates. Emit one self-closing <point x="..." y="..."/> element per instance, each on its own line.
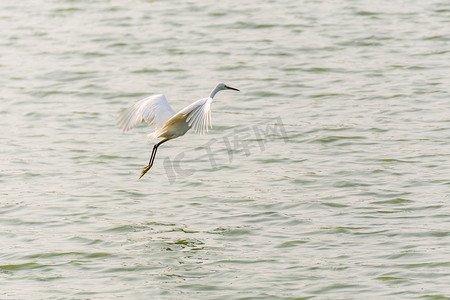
<point x="145" y="170"/>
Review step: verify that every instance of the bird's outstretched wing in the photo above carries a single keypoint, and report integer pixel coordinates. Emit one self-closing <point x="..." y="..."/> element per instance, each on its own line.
<point x="198" y="115"/>
<point x="154" y="109"/>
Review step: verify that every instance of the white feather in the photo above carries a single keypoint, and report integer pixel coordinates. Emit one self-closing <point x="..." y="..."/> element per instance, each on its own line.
<point x="153" y="110"/>
<point x="198" y="114"/>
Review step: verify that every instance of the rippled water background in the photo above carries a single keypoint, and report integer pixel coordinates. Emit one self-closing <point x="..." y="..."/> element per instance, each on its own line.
<point x="347" y="200"/>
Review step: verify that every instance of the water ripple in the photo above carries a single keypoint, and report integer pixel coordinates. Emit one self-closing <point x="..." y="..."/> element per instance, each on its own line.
<point x="347" y="201"/>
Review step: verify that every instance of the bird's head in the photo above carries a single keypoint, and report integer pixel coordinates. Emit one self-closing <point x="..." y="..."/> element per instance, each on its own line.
<point x="223" y="86"/>
<point x="219" y="87"/>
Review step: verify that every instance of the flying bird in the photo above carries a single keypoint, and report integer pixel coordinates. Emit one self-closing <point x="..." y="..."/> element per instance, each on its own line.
<point x="168" y="124"/>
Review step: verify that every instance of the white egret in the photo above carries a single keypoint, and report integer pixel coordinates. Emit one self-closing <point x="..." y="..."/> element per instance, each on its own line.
<point x="168" y="124"/>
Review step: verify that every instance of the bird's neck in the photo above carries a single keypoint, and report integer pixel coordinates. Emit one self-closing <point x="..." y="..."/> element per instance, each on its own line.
<point x="214" y="92"/>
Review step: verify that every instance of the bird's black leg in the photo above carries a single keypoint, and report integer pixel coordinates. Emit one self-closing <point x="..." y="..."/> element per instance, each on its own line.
<point x="152" y="158"/>
<point x="155" y="148"/>
<point x="153" y="154"/>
